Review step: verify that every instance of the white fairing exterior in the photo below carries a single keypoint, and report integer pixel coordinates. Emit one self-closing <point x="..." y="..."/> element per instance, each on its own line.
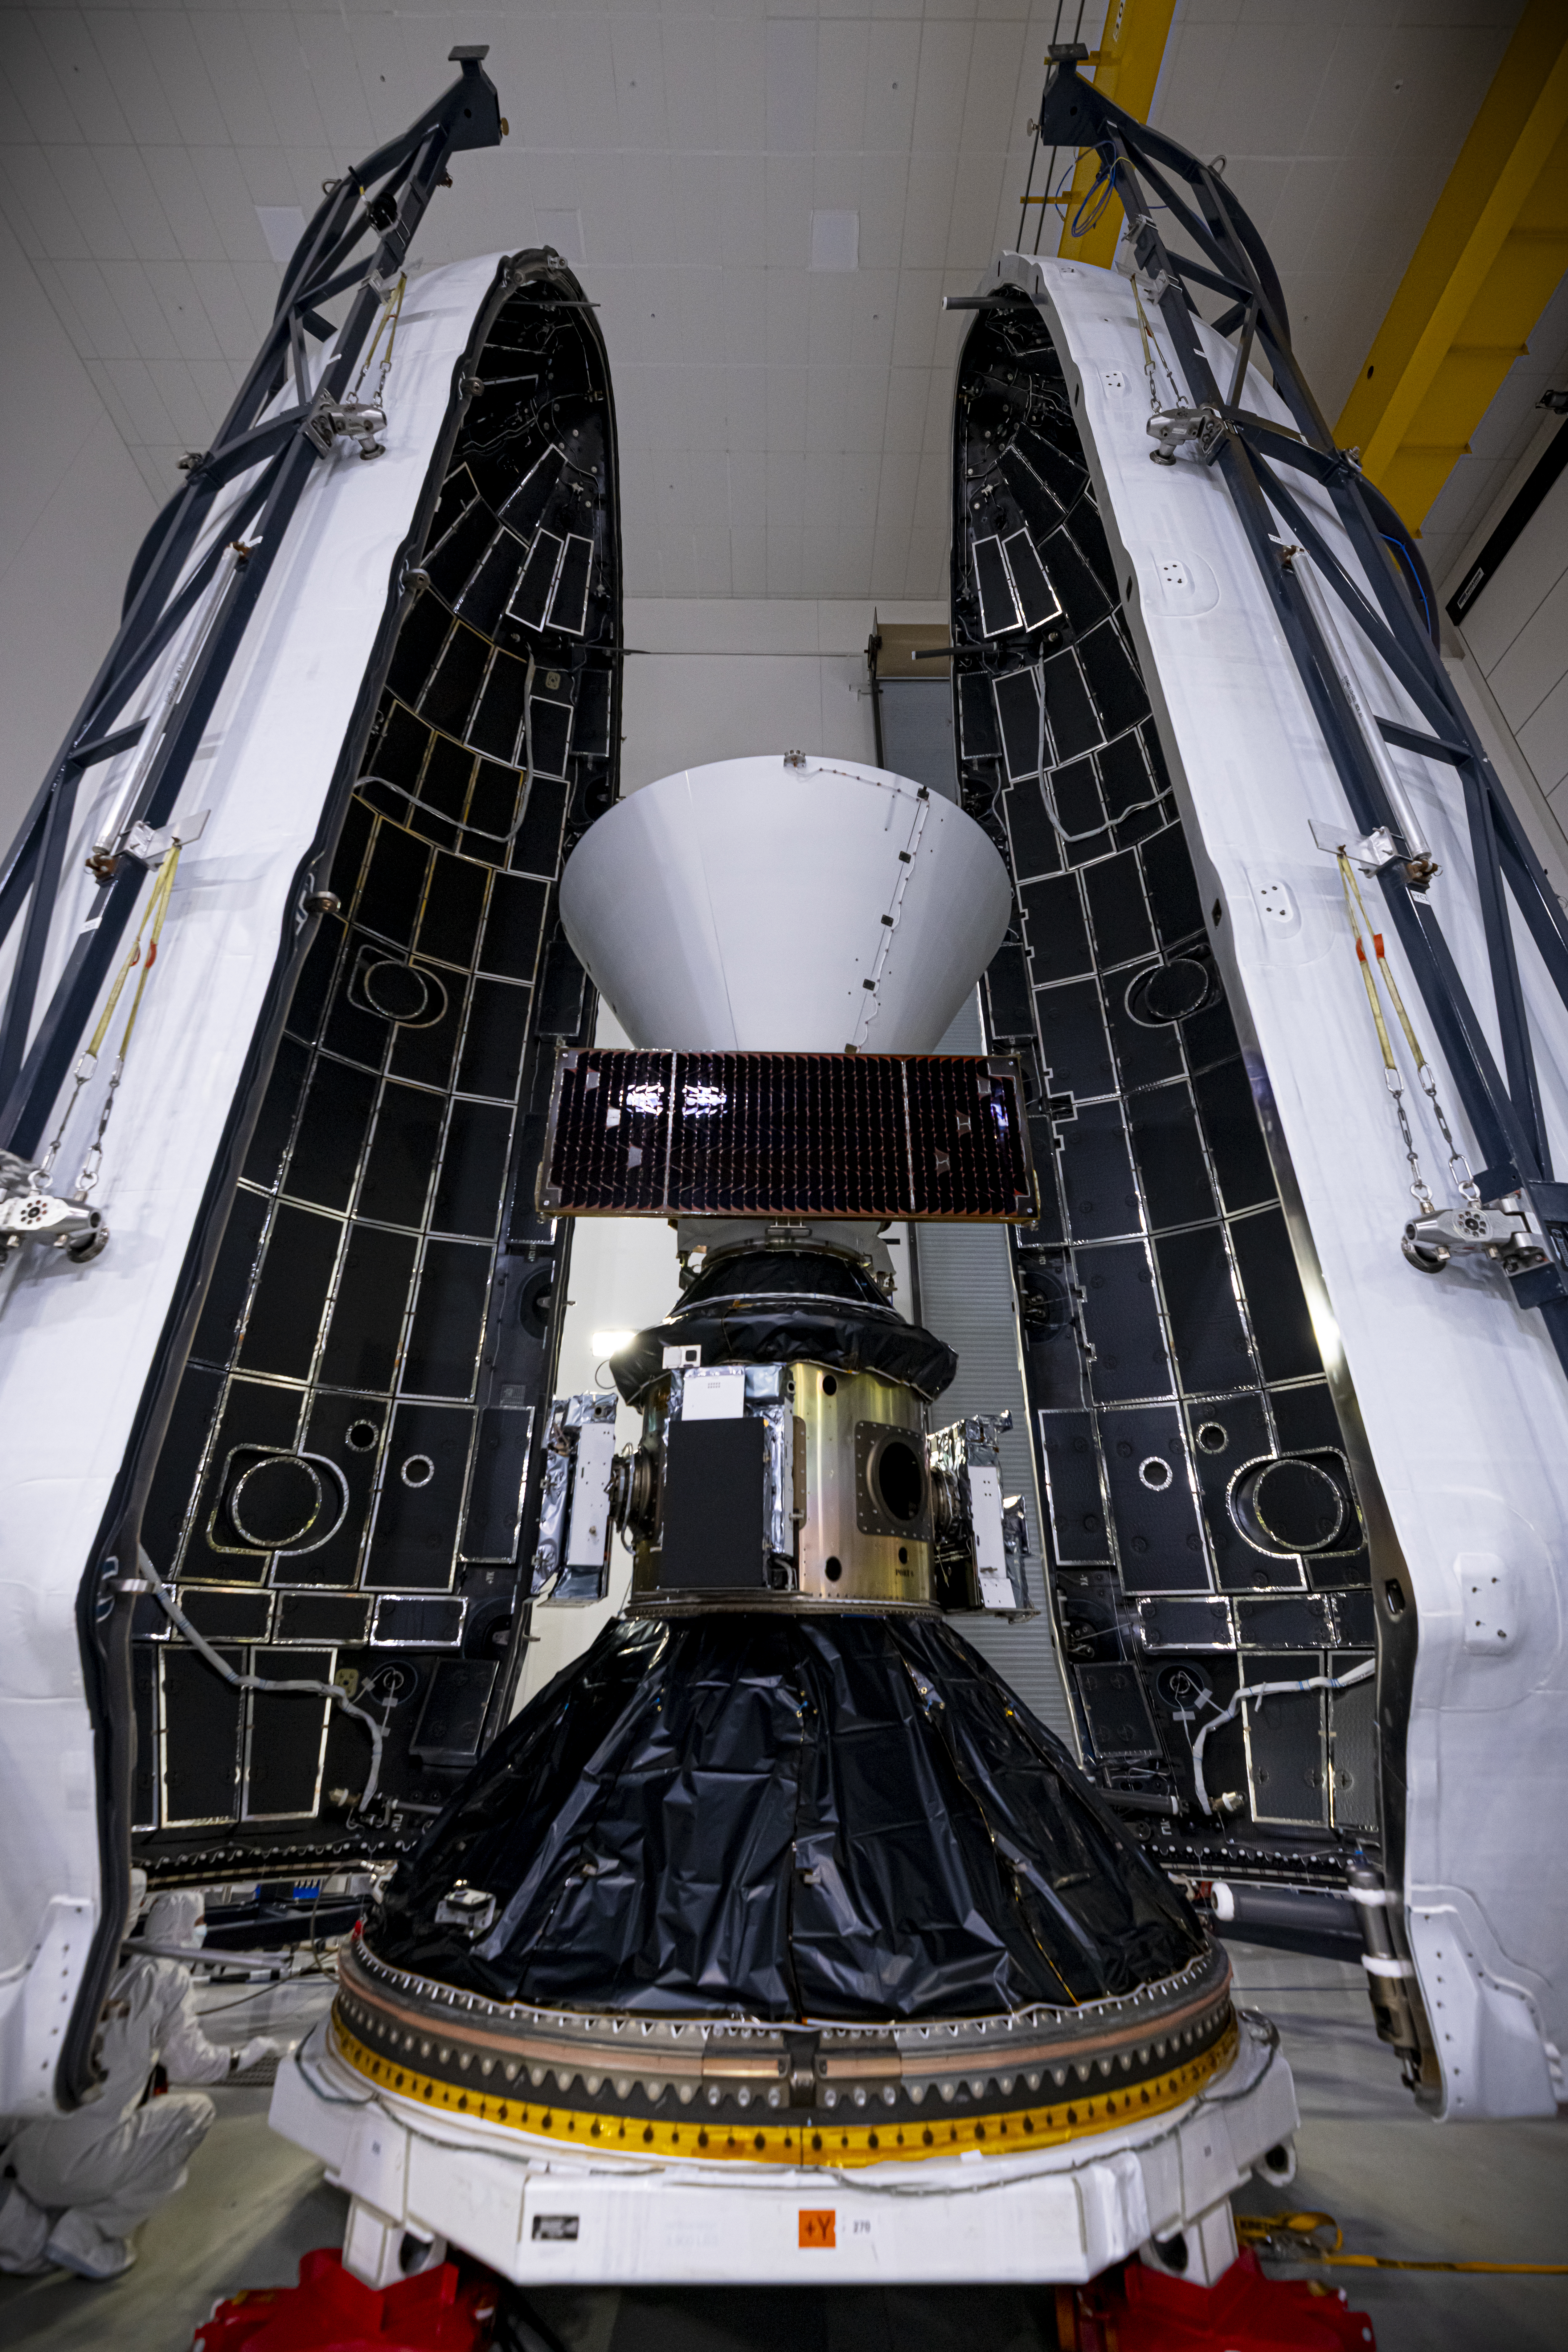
<point x="78" y="1343"/>
<point x="1464" y="1402"/>
<point x="746" y="905"/>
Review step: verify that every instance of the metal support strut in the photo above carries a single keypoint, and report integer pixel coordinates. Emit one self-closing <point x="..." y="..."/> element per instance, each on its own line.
<point x="1252" y="457"/>
<point x="276" y="451"/>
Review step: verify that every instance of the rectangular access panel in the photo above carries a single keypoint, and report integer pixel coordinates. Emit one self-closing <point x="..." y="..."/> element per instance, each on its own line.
<point x="714" y="1529"/>
<point x="930" y="1136"/>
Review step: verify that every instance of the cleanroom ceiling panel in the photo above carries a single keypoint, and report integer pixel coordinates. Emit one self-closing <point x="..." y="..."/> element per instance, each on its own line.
<point x="783" y="427"/>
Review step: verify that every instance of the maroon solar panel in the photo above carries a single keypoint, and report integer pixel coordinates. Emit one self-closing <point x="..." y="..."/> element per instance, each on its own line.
<point x="931" y="1136"/>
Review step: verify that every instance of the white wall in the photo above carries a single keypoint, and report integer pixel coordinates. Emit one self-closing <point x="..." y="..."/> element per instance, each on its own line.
<point x="711" y="678"/>
<point x="73" y="511"/>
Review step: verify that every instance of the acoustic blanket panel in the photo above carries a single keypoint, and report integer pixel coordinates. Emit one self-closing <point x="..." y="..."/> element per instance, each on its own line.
<point x="930" y="1136"/>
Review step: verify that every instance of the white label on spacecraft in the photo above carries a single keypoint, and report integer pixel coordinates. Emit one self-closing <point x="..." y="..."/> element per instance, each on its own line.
<point x="719" y="1393"/>
<point x="990" y="1551"/>
<point x="591" y="1495"/>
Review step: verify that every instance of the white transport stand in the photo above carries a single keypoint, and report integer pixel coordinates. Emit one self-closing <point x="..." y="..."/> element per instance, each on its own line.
<point x="538" y="2218"/>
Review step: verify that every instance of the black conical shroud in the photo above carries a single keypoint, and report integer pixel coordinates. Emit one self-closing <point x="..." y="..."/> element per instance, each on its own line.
<point x="781" y="1817"/>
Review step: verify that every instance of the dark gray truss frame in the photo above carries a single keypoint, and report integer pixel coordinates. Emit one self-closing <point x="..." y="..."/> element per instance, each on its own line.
<point x="386" y="197"/>
<point x="1504" y="1111"/>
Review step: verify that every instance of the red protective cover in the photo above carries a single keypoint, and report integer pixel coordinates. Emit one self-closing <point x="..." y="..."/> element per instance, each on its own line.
<point x="438" y="2310"/>
<point x="1139" y="2309"/>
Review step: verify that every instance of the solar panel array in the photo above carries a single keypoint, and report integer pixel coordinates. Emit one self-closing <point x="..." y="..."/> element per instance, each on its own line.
<point x="634" y="1133"/>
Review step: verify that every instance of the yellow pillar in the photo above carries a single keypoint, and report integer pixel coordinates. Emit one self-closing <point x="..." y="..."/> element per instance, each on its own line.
<point x="1126" y="68"/>
<point x="1490" y="258"/>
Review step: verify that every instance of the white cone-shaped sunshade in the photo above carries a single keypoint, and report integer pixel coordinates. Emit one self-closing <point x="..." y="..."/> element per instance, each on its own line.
<point x="746" y="905"/>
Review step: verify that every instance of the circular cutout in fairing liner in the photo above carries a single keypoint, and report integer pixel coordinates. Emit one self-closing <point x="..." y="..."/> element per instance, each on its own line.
<point x="1170" y="992"/>
<point x="276" y="1502"/>
<point x="399" y="993"/>
<point x="1295" y="1503"/>
<point x="536" y="1297"/>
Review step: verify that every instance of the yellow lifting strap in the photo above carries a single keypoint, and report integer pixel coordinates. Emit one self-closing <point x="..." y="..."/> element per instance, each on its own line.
<point x="1372" y="965"/>
<point x="1356" y="907"/>
<point x="1299" y="2237"/>
<point x="153" y="912"/>
<point x="390" y="316"/>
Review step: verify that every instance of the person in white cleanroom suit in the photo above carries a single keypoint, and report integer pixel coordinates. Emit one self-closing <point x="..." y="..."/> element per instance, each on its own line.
<point x="72" y="2188"/>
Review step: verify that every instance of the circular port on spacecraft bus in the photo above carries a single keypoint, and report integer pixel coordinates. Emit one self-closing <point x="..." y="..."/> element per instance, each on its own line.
<point x="900" y="1480"/>
<point x="275" y="1502"/>
<point x="417" y="1471"/>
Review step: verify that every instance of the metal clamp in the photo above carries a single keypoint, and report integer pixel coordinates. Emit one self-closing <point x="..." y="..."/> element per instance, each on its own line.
<point x="1180" y="428"/>
<point x="1503" y="1236"/>
<point x="149" y="847"/>
<point x="30" y="1214"/>
<point x="1369" y="853"/>
<point x="1524" y="1230"/>
<point x="1127" y="265"/>
<point x="349" y="420"/>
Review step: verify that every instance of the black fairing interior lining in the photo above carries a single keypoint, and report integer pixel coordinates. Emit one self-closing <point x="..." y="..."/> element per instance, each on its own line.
<point x="786" y="1818"/>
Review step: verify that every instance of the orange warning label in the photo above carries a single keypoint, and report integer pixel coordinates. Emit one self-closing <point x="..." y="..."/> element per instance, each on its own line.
<point x="815" y="2229"/>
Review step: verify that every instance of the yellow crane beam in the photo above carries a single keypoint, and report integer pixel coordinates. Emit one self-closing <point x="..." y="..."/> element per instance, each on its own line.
<point x="1490" y="258"/>
<point x="1126" y="68"/>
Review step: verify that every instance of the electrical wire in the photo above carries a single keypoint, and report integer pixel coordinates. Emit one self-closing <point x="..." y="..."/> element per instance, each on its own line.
<point x="1266" y="1690"/>
<point x="1103" y="185"/>
<point x="220" y="1666"/>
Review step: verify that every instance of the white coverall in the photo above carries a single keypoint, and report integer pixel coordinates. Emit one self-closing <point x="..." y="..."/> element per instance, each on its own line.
<point x="112" y="2162"/>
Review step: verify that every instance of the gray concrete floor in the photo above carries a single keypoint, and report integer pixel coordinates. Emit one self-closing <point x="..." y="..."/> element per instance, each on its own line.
<point x="1396" y="2183"/>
